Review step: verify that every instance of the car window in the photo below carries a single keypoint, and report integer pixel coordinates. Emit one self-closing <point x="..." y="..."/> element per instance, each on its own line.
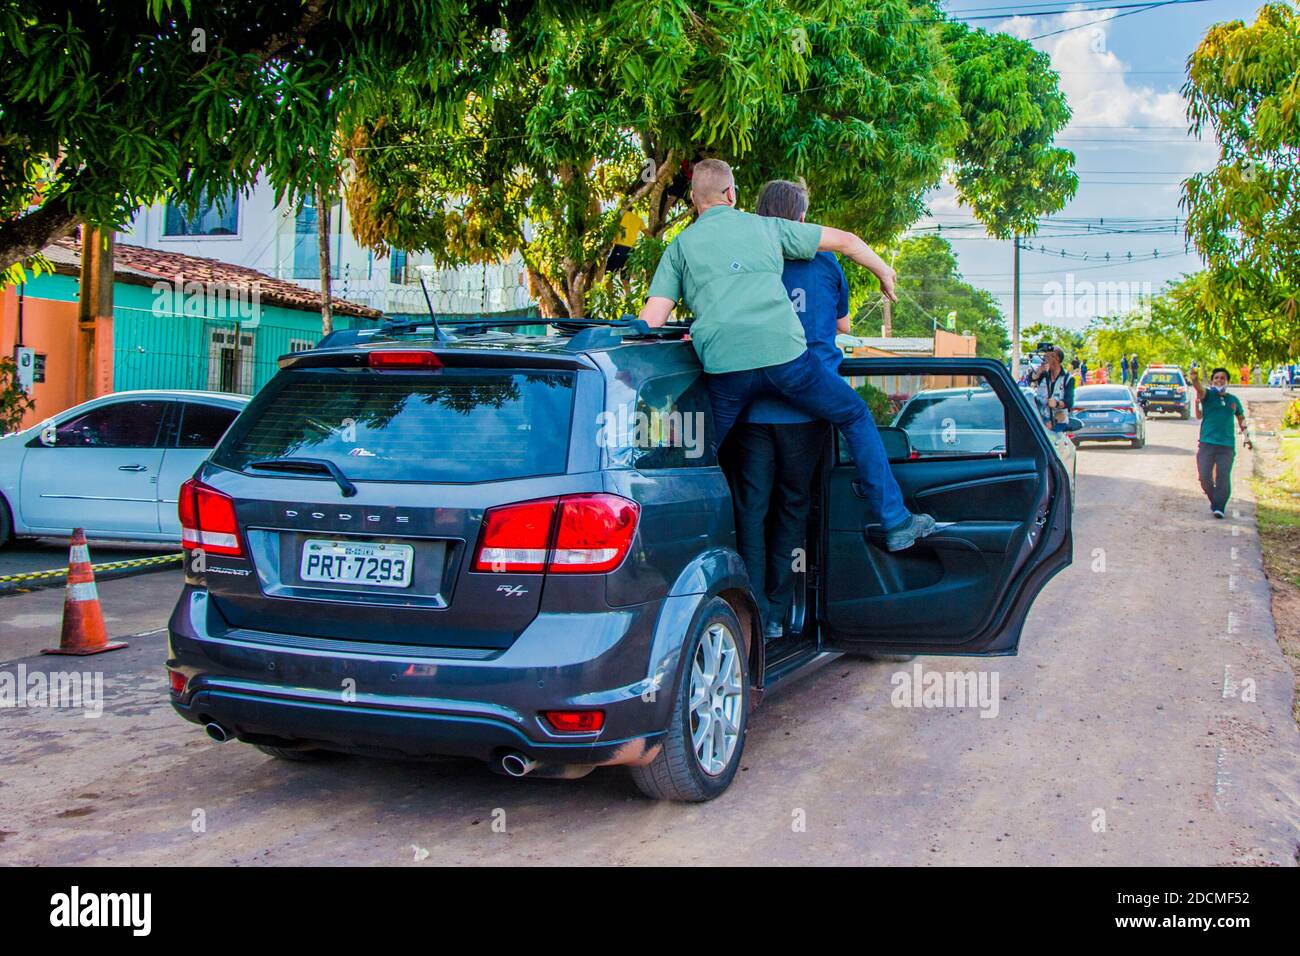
<point x="456" y="425"/>
<point x="669" y="426"/>
<point x="203" y="425"/>
<point x="1162" y="378"/>
<point x="119" y="425"/>
<point x="1092" y="393"/>
<point x="943" y="416"/>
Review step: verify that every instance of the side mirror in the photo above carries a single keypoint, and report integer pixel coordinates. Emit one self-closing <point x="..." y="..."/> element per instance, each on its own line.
<point x="898" y="447"/>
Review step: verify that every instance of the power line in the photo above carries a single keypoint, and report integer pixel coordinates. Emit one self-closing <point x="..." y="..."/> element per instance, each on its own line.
<point x="1116" y="16"/>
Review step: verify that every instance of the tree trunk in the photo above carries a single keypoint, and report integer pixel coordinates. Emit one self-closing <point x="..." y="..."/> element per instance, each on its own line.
<point x="323" y="239"/>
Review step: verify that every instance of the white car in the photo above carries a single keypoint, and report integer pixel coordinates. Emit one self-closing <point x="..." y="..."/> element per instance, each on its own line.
<point x="113" y="465"/>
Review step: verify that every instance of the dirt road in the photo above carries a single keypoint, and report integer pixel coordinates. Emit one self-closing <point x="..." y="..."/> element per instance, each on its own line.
<point x="1146" y="721"/>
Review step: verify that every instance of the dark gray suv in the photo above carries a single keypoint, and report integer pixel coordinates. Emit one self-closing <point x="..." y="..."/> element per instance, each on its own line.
<point x="522" y="549"/>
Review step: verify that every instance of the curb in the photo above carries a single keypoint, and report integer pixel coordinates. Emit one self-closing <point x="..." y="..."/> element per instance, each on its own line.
<point x="57" y="577"/>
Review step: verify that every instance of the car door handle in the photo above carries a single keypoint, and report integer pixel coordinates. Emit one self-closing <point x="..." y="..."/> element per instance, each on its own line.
<point x="132" y="468"/>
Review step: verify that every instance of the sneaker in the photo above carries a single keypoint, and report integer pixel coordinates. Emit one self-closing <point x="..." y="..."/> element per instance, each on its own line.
<point x="1216" y="512"/>
<point x="909" y="532"/>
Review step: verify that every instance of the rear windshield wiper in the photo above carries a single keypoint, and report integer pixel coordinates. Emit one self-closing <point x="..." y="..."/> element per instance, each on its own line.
<point x="315" y="465"/>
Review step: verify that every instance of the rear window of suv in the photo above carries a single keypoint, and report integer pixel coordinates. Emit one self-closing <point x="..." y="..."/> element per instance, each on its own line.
<point x="451" y="426"/>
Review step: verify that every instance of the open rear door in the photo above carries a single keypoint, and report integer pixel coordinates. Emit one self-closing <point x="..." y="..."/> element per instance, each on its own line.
<point x="967" y="448"/>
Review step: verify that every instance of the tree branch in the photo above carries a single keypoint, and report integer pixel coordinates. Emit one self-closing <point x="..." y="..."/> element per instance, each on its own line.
<point x="28" y="234"/>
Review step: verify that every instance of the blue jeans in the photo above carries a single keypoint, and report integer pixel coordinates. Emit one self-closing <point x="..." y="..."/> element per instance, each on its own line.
<point x="811" y="387"/>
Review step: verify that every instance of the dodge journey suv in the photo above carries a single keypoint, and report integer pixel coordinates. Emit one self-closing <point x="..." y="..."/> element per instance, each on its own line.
<point x="417" y="541"/>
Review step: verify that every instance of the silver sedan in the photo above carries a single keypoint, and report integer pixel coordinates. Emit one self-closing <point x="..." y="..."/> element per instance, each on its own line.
<point x="112" y="466"/>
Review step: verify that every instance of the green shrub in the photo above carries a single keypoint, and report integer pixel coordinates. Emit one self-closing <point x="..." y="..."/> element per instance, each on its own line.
<point x="14" y="402"/>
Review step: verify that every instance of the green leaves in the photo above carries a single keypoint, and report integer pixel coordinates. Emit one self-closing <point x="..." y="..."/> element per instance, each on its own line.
<point x="1244" y="215"/>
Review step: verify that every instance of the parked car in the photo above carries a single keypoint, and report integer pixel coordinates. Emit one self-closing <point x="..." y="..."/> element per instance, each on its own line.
<point x="522" y="549"/>
<point x="1164" y="388"/>
<point x="113" y="465"/>
<point x="1109" y="413"/>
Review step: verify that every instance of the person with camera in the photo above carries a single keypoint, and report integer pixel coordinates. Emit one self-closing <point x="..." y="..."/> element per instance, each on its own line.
<point x="1055" y="387"/>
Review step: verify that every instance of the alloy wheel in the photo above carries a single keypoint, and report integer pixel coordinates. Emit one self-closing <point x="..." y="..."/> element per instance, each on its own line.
<point x="716" y="698"/>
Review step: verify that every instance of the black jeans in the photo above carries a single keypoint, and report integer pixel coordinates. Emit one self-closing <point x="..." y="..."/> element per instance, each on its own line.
<point x="1214" y="466"/>
<point x="772" y="488"/>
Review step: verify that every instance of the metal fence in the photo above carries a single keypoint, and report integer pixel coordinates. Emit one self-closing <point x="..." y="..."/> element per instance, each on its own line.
<point x="169" y="350"/>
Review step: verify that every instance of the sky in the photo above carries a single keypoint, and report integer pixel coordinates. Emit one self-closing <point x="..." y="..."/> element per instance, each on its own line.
<point x="1128" y="132"/>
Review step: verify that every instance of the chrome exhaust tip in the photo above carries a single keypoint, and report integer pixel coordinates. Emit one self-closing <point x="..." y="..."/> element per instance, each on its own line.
<point x="517" y="765"/>
<point x="218" y="733"/>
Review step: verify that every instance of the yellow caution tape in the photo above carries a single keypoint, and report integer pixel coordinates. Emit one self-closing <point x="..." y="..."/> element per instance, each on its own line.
<point x="107" y="566"/>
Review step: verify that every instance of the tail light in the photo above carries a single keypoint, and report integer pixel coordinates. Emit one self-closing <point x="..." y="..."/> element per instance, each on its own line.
<point x="208" y="520"/>
<point x="403" y="358"/>
<point x="575" y="534"/>
<point x="595" y="533"/>
<point x="515" y="537"/>
<point x="178" y="682"/>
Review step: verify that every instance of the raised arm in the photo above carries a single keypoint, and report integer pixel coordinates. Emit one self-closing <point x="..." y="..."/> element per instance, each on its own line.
<point x="847" y="244"/>
<point x="1195" y="378"/>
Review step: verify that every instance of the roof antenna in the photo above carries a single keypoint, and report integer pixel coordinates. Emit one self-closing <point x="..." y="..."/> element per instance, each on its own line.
<point x="437" y="329"/>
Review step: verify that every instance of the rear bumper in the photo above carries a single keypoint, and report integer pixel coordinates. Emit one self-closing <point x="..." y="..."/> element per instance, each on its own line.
<point x="1109" y="433"/>
<point x="399" y="700"/>
<point x="257" y="715"/>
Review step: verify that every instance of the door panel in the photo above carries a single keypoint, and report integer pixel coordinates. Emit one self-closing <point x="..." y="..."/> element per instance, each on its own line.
<point x="97" y="471"/>
<point x="984" y="467"/>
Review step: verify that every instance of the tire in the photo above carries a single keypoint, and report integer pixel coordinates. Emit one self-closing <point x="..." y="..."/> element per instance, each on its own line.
<point x="295" y="756"/>
<point x="677" y="772"/>
<point x="6" y="524"/>
<point x="1138" y="442"/>
<point x="1185" y="414"/>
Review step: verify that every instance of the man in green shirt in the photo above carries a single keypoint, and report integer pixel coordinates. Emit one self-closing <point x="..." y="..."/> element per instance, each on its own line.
<point x="1217" y="448"/>
<point x="726" y="267"/>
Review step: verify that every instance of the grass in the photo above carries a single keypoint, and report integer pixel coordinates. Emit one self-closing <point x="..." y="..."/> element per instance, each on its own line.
<point x="1277" y="494"/>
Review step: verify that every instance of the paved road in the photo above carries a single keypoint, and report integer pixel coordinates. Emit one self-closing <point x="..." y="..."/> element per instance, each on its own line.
<point x="1120" y="738"/>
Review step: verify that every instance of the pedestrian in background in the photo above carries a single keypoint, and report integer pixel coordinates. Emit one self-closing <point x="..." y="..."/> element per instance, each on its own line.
<point x="1218" y="445"/>
<point x="1123" y="370"/>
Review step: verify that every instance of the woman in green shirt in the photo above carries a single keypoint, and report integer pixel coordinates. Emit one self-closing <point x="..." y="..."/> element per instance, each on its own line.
<point x="1217" y="448"/>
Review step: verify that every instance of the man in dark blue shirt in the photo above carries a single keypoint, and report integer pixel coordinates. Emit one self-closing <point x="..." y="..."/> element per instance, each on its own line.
<point x="777" y="445"/>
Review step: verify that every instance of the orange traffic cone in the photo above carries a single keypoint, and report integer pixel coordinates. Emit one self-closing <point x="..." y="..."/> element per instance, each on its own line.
<point x="83" y="621"/>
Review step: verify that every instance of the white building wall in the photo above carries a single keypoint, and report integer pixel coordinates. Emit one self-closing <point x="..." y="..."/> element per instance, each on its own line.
<point x="265" y="238"/>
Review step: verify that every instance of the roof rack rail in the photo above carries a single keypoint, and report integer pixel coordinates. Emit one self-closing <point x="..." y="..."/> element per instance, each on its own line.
<point x="585" y="333"/>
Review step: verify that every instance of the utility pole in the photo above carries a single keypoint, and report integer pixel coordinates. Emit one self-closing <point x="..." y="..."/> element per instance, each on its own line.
<point x="94" y="359"/>
<point x="1015" y="310"/>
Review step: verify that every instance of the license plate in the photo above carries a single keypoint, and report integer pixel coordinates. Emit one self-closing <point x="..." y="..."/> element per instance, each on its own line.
<point x="353" y="562"/>
<point x="1099" y="414"/>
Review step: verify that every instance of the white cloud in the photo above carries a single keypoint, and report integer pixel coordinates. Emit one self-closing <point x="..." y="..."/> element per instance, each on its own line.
<point x="1097" y="84"/>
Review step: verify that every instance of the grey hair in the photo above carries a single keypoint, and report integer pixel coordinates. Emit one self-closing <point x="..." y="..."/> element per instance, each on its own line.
<point x="783" y="199"/>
